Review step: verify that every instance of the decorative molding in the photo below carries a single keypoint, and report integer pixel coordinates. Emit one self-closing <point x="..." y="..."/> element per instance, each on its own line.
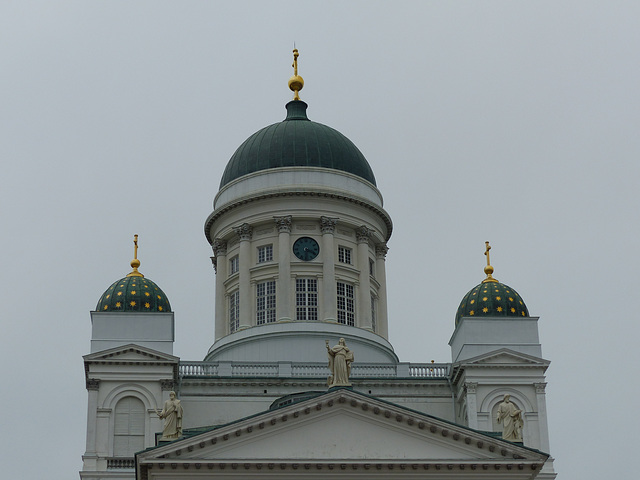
<point x="470" y="387"/>
<point x="167" y="384"/>
<point x="328" y="224"/>
<point x="363" y="233"/>
<point x="244" y="231"/>
<point x="219" y="247"/>
<point x="92" y="384"/>
<point x="214" y="262"/>
<point x="283" y="223"/>
<point x="540" y="387"/>
<point x="381" y="250"/>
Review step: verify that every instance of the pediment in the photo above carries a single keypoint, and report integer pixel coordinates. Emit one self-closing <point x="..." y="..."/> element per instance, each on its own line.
<point x="338" y="428"/>
<point x="130" y="353"/>
<point x="505" y="356"/>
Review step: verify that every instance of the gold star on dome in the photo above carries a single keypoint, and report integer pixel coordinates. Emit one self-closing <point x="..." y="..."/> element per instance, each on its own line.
<point x="485" y="310"/>
<point x="160" y="308"/>
<point x="121" y="286"/>
<point x="513" y="310"/>
<point x="147" y="294"/>
<point x="523" y="314"/>
<point x="511" y="299"/>
<point x="484" y="299"/>
<point x="118" y="304"/>
<point x="119" y="293"/>
<point x="472" y="302"/>
<point x="107" y="296"/>
<point x="498" y="298"/>
<point x="147" y="305"/>
<point x="133" y="292"/>
<point x="499" y="309"/>
<point x="472" y="312"/>
<point x="132" y="303"/>
<point x="106" y="307"/>
<point x="159" y="297"/>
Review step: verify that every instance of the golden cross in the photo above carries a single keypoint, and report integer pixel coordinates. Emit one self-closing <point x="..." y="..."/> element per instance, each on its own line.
<point x="487" y="253"/>
<point x="295" y="62"/>
<point x="135" y="247"/>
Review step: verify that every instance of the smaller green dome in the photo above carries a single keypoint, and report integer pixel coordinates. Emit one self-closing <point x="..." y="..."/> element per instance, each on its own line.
<point x="133" y="294"/>
<point x="492" y="299"/>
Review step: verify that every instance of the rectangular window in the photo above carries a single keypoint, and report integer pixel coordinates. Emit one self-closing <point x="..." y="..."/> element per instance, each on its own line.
<point x="346" y="310"/>
<point x="234" y="311"/>
<point x="265" y="253"/>
<point x="234" y="265"/>
<point x="374" y="320"/>
<point x="344" y="255"/>
<point x="266" y="302"/>
<point x="372" y="268"/>
<point x="306" y="299"/>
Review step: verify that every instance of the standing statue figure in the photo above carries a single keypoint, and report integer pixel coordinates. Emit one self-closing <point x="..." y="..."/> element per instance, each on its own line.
<point x="340" y="359"/>
<point x="511" y="419"/>
<point x="172" y="414"/>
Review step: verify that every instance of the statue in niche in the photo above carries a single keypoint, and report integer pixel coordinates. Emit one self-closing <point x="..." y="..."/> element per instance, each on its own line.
<point x="340" y="359"/>
<point x="511" y="418"/>
<point x="172" y="414"/>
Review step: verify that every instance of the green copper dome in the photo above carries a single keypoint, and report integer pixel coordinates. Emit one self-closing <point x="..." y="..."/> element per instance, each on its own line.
<point x="297" y="142"/>
<point x="133" y="294"/>
<point x="492" y="299"/>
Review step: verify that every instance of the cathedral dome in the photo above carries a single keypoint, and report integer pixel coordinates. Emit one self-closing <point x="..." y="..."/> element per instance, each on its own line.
<point x="133" y="293"/>
<point x="491" y="298"/>
<point x="297" y="142"/>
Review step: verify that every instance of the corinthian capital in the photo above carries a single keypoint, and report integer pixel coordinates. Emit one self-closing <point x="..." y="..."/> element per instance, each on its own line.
<point x="381" y="250"/>
<point x="244" y="231"/>
<point x="283" y="223"/>
<point x="219" y="247"/>
<point x="363" y="233"/>
<point x="328" y="224"/>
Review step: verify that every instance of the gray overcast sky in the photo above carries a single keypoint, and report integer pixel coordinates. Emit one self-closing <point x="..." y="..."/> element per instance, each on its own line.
<point x="514" y="122"/>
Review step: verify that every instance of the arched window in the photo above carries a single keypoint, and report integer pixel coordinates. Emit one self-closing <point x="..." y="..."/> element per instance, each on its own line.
<point x="128" y="433"/>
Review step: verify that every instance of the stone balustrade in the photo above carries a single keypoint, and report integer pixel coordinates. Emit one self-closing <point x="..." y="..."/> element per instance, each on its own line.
<point x="120" y="463"/>
<point x="311" y="370"/>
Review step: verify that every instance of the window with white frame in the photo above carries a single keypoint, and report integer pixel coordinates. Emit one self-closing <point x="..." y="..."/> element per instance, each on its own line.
<point x="265" y="253"/>
<point x="266" y="302"/>
<point x="306" y="299"/>
<point x="234" y="311"/>
<point x="345" y="304"/>
<point x="234" y="265"/>
<point x="344" y="255"/>
<point x="128" y="429"/>
<point x="374" y="320"/>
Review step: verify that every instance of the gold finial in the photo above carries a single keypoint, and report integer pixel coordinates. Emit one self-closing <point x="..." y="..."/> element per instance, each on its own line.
<point x="296" y="82"/>
<point x="135" y="263"/>
<point x="488" y="269"/>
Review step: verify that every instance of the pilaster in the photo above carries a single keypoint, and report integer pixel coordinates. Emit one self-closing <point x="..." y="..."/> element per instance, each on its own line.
<point x="363" y="307"/>
<point x="220" y="256"/>
<point x="283" y="287"/>
<point x="245" y="233"/>
<point x="381" y="276"/>
<point x="328" y="227"/>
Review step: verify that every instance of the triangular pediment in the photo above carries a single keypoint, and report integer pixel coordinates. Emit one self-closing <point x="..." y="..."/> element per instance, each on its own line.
<point x="130" y="353"/>
<point x="340" y="427"/>
<point x="505" y="356"/>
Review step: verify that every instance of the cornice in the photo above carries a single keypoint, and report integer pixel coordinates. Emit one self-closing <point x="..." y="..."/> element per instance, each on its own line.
<point x="296" y="193"/>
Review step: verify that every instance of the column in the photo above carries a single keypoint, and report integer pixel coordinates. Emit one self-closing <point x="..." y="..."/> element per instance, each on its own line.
<point x="363" y="305"/>
<point x="472" y="404"/>
<point x="381" y="276"/>
<point x="283" y="287"/>
<point x="245" y="233"/>
<point x="328" y="227"/>
<point x="93" y="386"/>
<point x="542" y="416"/>
<point x="220" y="265"/>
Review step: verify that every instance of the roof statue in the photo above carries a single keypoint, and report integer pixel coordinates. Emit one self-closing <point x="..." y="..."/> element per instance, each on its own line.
<point x="340" y="359"/>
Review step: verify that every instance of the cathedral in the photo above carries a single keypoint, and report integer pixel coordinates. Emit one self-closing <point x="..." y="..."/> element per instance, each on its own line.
<point x="301" y="380"/>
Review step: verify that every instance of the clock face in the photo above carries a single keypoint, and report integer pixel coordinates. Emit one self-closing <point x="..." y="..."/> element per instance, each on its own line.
<point x="306" y="248"/>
